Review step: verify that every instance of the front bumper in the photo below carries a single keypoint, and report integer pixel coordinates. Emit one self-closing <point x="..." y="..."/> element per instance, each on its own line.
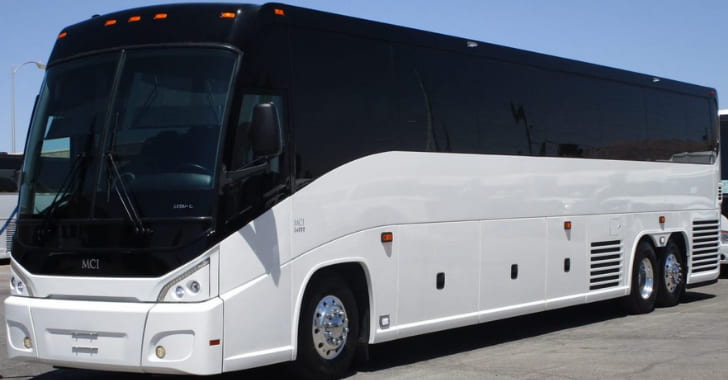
<point x="117" y="336"/>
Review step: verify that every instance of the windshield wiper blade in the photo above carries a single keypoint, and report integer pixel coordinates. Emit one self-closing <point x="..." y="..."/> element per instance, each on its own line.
<point x="126" y="201"/>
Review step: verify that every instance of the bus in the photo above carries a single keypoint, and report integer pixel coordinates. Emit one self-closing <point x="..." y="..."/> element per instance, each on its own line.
<point x="9" y="176"/>
<point x="723" y="116"/>
<point x="209" y="188"/>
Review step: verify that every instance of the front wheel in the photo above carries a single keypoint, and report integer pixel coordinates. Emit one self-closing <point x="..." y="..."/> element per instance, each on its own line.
<point x="672" y="276"/>
<point x="328" y="329"/>
<point x="643" y="294"/>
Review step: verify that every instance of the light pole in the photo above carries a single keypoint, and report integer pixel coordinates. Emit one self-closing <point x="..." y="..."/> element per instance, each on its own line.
<point x="13" y="70"/>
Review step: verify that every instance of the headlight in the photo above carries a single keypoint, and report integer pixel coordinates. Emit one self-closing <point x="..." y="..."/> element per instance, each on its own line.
<point x="18" y="285"/>
<point x="191" y="286"/>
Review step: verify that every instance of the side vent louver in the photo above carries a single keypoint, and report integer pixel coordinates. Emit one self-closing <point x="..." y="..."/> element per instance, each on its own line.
<point x="606" y="264"/>
<point x="706" y="241"/>
<point x="9" y="232"/>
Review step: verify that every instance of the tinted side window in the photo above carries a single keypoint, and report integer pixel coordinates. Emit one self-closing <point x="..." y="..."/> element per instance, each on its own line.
<point x="621" y="121"/>
<point x="446" y="81"/>
<point x="504" y="114"/>
<point x="342" y="101"/>
<point x="679" y="128"/>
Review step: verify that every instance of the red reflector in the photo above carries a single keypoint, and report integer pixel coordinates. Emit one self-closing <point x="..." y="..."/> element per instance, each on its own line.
<point x="62" y="35"/>
<point x="110" y="22"/>
<point x="160" y="16"/>
<point x="135" y="18"/>
<point x="279" y="12"/>
<point x="227" y="15"/>
<point x="215" y="342"/>
<point x="387" y="237"/>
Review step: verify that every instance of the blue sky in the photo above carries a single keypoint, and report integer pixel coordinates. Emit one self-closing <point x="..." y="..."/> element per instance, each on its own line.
<point x="676" y="39"/>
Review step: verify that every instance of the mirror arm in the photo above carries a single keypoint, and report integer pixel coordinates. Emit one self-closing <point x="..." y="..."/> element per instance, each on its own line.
<point x="236" y="175"/>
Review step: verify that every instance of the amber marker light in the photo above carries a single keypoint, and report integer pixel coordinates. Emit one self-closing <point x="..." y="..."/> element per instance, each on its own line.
<point x="160" y="16"/>
<point x="110" y="22"/>
<point x="227" y="15"/>
<point x="62" y="35"/>
<point x="567" y="225"/>
<point x="135" y="18"/>
<point x="215" y="342"/>
<point x="279" y="12"/>
<point x="662" y="220"/>
<point x="387" y="237"/>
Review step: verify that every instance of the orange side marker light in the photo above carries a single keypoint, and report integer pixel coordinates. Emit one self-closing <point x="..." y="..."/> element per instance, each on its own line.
<point x="160" y="16"/>
<point x="110" y="22"/>
<point x="279" y="12"/>
<point x="387" y="237"/>
<point x="62" y="35"/>
<point x="135" y="18"/>
<point x="567" y="225"/>
<point x="227" y="15"/>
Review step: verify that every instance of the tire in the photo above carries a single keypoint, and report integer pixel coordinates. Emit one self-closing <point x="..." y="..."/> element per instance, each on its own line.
<point x="328" y="298"/>
<point x="671" y="276"/>
<point x="643" y="293"/>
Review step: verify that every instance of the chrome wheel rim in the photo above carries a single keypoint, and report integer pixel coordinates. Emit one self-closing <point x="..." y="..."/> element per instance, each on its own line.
<point x="330" y="327"/>
<point x="673" y="273"/>
<point x="646" y="278"/>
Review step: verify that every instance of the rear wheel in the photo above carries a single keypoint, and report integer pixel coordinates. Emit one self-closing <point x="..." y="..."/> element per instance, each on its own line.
<point x="643" y="294"/>
<point x="328" y="330"/>
<point x="672" y="276"/>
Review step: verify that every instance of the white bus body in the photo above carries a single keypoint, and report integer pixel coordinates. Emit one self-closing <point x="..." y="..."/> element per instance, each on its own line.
<point x="513" y="216"/>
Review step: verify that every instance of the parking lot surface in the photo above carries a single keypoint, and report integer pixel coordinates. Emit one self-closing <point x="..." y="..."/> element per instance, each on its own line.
<point x="596" y="341"/>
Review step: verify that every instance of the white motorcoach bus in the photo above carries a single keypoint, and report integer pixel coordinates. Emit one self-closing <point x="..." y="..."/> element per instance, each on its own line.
<point x="723" y="115"/>
<point x="209" y="188"/>
<point x="9" y="173"/>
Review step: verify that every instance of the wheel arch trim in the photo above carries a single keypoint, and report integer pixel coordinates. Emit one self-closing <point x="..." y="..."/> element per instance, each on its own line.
<point x="306" y="281"/>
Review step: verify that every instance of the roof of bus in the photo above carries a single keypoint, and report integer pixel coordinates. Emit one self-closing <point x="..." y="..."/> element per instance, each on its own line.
<point x="236" y="25"/>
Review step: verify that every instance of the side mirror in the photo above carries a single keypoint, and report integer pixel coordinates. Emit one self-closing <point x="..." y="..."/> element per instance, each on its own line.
<point x="265" y="131"/>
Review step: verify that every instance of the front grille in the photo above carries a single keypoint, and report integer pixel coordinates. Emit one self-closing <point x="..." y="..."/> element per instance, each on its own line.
<point x="606" y="264"/>
<point x="706" y="242"/>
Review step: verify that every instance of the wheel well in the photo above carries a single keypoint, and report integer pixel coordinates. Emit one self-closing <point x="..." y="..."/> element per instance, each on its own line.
<point x="353" y="274"/>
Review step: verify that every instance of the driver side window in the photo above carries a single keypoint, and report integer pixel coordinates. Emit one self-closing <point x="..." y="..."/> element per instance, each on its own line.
<point x="242" y="148"/>
<point x="246" y="199"/>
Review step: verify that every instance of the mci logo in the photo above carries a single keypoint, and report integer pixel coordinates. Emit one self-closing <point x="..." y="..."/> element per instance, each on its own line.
<point x="90" y="264"/>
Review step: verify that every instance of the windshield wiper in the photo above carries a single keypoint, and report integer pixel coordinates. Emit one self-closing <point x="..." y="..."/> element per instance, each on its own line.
<point x="65" y="192"/>
<point x="117" y="182"/>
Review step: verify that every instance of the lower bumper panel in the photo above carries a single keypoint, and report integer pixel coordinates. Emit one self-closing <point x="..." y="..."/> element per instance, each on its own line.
<point x="117" y="336"/>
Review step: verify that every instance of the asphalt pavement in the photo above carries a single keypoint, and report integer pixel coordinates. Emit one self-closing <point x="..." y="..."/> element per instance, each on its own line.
<point x="596" y="341"/>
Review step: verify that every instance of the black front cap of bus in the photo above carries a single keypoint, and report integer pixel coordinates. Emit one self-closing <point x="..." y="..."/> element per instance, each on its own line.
<point x="181" y="24"/>
<point x="109" y="248"/>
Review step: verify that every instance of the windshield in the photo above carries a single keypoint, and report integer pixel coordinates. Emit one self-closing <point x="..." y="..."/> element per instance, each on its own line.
<point x="145" y="121"/>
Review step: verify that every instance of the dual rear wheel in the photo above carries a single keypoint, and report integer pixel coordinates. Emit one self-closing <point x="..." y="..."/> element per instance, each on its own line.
<point x="656" y="280"/>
